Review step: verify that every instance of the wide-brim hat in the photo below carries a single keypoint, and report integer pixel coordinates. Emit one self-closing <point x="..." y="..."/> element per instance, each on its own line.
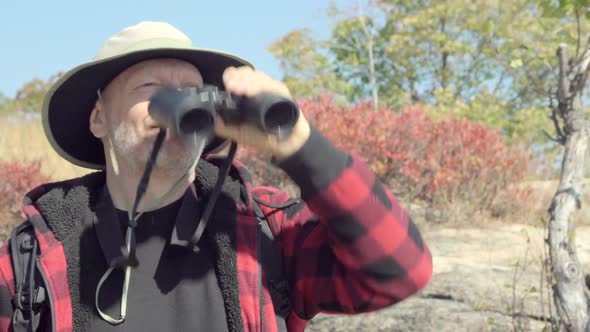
<point x="69" y="102"/>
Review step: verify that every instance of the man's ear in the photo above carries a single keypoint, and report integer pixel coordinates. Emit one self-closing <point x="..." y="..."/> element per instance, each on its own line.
<point x="98" y="121"/>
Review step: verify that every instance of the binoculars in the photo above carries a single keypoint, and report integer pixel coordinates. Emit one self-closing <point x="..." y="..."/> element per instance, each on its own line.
<point x="193" y="111"/>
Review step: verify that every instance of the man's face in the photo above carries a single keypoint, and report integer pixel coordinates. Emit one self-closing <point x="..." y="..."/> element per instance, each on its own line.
<point x="132" y="130"/>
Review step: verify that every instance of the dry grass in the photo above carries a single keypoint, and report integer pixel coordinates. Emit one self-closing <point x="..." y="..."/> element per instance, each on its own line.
<point x="25" y="140"/>
<point x="545" y="190"/>
<point x="528" y="207"/>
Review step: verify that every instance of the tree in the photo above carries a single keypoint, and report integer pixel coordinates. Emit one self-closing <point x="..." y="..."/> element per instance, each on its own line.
<point x="358" y="41"/>
<point x="358" y="48"/>
<point x="573" y="132"/>
<point x="29" y="98"/>
<point x="469" y="57"/>
<point x="307" y="72"/>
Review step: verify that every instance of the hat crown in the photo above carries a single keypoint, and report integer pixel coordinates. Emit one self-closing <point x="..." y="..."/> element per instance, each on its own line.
<point x="142" y="36"/>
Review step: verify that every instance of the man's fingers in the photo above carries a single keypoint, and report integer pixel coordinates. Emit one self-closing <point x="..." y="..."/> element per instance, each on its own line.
<point x="244" y="81"/>
<point x="246" y="134"/>
<point x="224" y="130"/>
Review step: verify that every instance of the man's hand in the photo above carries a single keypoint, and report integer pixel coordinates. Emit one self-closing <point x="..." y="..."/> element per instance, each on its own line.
<point x="244" y="81"/>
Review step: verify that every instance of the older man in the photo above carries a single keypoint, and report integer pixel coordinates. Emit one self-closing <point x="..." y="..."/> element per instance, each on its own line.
<point x="345" y="247"/>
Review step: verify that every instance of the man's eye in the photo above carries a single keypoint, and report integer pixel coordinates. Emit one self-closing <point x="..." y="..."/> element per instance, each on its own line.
<point x="148" y="84"/>
<point x="193" y="85"/>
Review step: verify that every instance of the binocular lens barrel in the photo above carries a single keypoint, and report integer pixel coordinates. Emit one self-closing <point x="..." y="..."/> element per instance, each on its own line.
<point x="278" y="115"/>
<point x="183" y="111"/>
<point x="198" y="120"/>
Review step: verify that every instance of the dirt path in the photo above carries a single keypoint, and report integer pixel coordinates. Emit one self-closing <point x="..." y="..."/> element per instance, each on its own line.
<point x="480" y="276"/>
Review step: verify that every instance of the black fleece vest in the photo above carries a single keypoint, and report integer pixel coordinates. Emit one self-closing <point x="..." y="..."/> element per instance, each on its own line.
<point x="68" y="210"/>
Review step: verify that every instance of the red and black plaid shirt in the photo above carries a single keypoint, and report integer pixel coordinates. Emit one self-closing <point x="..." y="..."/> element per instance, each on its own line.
<point x="348" y="246"/>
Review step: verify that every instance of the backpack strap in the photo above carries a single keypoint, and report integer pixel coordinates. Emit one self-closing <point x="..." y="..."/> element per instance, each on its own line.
<point x="271" y="260"/>
<point x="30" y="295"/>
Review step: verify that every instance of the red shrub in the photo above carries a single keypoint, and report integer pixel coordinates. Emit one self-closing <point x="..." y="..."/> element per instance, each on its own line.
<point x="421" y="158"/>
<point x="16" y="178"/>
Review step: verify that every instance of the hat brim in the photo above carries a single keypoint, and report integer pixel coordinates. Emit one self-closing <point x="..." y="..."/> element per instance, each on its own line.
<point x="68" y="104"/>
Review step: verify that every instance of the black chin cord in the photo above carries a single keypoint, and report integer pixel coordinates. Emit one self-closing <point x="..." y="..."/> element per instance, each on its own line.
<point x="145" y="179"/>
<point x="223" y="173"/>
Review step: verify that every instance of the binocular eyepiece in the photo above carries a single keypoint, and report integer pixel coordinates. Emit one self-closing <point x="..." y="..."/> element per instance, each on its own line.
<point x="193" y="110"/>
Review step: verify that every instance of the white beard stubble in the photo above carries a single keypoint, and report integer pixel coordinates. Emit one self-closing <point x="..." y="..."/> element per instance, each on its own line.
<point x="174" y="159"/>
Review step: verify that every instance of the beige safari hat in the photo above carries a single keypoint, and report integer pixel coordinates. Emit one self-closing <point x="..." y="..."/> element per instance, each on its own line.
<point x="69" y="102"/>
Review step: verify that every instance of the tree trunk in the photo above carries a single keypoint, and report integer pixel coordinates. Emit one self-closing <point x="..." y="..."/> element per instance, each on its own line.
<point x="370" y="50"/>
<point x="568" y="290"/>
<point x="568" y="284"/>
<point x="372" y="73"/>
<point x="444" y="57"/>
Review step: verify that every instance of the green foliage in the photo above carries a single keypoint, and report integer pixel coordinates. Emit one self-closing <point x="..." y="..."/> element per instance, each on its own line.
<point x="307" y="72"/>
<point x="518" y="126"/>
<point x="29" y="98"/>
<point x="469" y="47"/>
<point x="489" y="61"/>
<point x="358" y="46"/>
<point x="564" y="8"/>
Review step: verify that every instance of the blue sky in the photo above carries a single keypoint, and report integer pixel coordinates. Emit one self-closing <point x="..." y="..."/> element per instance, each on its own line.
<point x="41" y="38"/>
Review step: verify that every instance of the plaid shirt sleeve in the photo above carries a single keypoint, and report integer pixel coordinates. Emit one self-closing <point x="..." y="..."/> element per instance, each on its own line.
<point x="348" y="246"/>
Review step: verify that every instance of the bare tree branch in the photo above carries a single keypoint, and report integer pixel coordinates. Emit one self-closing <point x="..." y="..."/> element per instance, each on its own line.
<point x="467" y="78"/>
<point x="517" y="75"/>
<point x="552" y="138"/>
<point x="343" y="47"/>
<point x="369" y="46"/>
<point x="579" y="33"/>
<point x="499" y="82"/>
<point x="562" y="87"/>
<point x="561" y="138"/>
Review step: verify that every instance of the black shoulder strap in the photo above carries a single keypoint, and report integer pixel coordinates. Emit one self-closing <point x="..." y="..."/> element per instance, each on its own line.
<point x="272" y="262"/>
<point x="29" y="297"/>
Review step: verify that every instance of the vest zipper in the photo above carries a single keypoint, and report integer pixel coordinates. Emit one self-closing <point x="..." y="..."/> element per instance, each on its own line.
<point x="49" y="296"/>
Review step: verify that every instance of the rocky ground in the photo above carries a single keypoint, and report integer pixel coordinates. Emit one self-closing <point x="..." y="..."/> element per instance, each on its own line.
<point x="482" y="275"/>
